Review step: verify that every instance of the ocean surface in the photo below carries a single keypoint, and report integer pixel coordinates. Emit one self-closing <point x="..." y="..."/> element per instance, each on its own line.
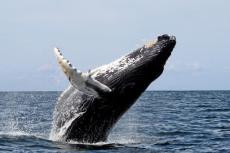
<point x="160" y="121"/>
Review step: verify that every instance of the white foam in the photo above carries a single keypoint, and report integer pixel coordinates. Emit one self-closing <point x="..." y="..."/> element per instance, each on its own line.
<point x="94" y="144"/>
<point x="59" y="135"/>
<point x="15" y="133"/>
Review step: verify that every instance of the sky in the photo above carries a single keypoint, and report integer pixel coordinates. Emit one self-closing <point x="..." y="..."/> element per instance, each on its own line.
<point x="93" y="33"/>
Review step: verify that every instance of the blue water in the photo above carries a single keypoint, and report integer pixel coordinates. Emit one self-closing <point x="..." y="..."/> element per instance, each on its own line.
<point x="160" y="121"/>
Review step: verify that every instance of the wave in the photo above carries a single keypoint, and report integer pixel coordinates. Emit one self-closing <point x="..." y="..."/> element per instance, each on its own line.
<point x="20" y="134"/>
<point x="15" y="133"/>
<point x="34" y="141"/>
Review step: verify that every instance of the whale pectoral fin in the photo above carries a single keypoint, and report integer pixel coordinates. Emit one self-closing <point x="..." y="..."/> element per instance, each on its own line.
<point x="97" y="85"/>
<point x="71" y="73"/>
<point x="79" y="80"/>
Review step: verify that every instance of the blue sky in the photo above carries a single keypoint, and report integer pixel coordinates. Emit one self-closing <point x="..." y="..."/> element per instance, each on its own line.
<point x="92" y="33"/>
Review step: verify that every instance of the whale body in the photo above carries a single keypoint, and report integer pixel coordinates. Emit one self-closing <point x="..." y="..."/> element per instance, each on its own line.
<point x="89" y="108"/>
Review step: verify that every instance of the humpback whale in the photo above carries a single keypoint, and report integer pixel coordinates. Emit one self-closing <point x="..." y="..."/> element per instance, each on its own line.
<point x="94" y="101"/>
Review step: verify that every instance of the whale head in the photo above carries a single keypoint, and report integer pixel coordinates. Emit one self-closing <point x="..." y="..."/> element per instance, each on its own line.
<point x="130" y="75"/>
<point x="85" y="117"/>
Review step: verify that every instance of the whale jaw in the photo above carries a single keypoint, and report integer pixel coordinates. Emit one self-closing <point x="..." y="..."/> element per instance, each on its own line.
<point x="87" y="118"/>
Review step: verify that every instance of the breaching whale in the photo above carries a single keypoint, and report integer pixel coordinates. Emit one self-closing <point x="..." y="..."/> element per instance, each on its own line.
<point x="88" y="109"/>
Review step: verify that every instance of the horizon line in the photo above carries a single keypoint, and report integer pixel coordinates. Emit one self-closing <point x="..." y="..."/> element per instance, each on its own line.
<point x="166" y="90"/>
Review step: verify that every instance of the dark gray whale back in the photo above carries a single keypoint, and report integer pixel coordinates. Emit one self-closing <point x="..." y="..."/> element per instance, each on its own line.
<point x="87" y="118"/>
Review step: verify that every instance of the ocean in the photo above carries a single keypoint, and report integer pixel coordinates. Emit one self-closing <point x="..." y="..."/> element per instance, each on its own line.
<point x="160" y="121"/>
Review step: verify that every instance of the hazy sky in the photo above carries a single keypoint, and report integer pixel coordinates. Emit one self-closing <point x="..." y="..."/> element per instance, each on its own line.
<point x="92" y="33"/>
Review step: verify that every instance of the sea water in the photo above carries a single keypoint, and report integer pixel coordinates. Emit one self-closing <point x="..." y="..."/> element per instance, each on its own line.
<point x="160" y="121"/>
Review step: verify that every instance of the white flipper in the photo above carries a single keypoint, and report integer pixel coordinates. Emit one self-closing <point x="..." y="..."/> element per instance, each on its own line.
<point x="82" y="81"/>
